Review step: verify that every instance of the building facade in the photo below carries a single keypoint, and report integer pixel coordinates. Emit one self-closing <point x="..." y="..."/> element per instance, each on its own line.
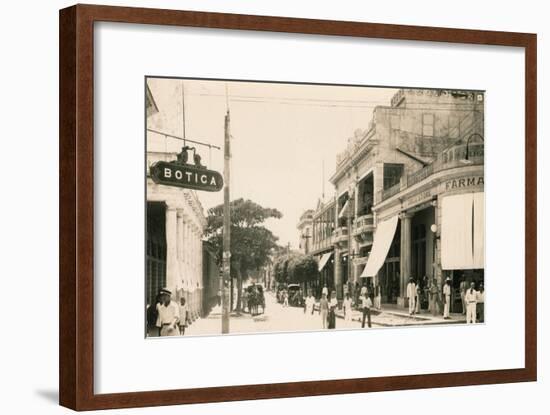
<point x="175" y="223"/>
<point x="381" y="178"/>
<point x="305" y="231"/>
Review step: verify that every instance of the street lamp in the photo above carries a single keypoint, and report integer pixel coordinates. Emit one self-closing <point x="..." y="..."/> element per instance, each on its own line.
<point x="466" y="159"/>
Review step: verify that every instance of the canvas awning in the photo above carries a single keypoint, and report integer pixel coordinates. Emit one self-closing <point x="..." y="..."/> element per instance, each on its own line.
<point x="324" y="260"/>
<point x="344" y="211"/>
<point x="383" y="238"/>
<point x="463" y="231"/>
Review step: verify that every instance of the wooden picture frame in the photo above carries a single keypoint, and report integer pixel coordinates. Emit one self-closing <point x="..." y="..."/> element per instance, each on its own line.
<point x="76" y="233"/>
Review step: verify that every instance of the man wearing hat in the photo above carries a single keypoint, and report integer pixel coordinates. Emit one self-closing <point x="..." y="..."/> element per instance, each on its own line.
<point x="447" y="298"/>
<point x="168" y="314"/>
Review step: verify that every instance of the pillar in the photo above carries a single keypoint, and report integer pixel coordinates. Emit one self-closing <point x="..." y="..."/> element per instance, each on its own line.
<point x="179" y="247"/>
<point x="338" y="272"/>
<point x="406" y="253"/>
<point x="172" y="274"/>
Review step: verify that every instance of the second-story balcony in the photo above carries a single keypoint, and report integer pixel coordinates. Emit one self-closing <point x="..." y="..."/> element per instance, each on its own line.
<point x="321" y="245"/>
<point x="363" y="228"/>
<point x="340" y="236"/>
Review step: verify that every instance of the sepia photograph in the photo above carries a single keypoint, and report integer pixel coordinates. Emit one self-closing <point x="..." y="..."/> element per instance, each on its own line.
<point x="285" y="207"/>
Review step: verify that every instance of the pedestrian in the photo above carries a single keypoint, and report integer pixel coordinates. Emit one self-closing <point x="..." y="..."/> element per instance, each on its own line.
<point x="152" y="317"/>
<point x="184" y="315"/>
<point x="285" y="298"/>
<point x="463" y="289"/>
<point x="447" y="298"/>
<point x="470" y="298"/>
<point x="347" y="307"/>
<point x="168" y="314"/>
<point x="366" y="305"/>
<point x="481" y="304"/>
<point x="323" y="310"/>
<point x="417" y="299"/>
<point x="432" y="291"/>
<point x="333" y="303"/>
<point x="325" y="290"/>
<point x="363" y="290"/>
<point x="411" y="295"/>
<point x="309" y="304"/>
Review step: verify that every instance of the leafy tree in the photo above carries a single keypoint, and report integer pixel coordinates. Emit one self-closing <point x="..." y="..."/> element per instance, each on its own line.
<point x="304" y="269"/>
<point x="251" y="243"/>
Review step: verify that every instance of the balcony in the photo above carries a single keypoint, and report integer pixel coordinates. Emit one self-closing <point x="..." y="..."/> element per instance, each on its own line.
<point x="363" y="228"/>
<point x="321" y="245"/>
<point x="340" y="236"/>
<point x="450" y="159"/>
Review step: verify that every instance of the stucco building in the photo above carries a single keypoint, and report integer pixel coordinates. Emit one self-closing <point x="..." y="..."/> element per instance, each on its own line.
<point x="389" y="183"/>
<point x="175" y="222"/>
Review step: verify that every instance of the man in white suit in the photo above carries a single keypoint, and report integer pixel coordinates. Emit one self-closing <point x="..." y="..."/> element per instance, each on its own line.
<point x="470" y="298"/>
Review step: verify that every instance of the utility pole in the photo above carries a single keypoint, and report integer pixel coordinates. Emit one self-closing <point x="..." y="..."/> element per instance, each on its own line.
<point x="226" y="264"/>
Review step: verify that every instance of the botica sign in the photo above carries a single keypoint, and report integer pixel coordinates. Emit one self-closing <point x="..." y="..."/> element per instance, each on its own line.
<point x="187" y="176"/>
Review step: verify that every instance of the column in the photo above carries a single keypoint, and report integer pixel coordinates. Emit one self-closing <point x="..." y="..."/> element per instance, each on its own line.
<point x="171" y="249"/>
<point x="179" y="238"/>
<point x="406" y="252"/>
<point x="377" y="181"/>
<point x="338" y="271"/>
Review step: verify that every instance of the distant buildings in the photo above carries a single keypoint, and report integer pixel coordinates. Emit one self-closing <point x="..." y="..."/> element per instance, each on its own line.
<point x="305" y="231"/>
<point x="404" y="190"/>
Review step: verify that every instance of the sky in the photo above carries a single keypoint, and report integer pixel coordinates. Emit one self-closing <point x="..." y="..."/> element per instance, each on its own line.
<point x="282" y="136"/>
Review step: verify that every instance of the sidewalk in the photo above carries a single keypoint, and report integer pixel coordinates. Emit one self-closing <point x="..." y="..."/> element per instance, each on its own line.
<point x="392" y="316"/>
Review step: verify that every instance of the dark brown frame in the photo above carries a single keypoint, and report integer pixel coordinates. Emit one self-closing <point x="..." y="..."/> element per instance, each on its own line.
<point x="76" y="175"/>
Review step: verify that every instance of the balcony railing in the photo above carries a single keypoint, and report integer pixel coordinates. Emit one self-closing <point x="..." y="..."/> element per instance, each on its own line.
<point x="340" y="234"/>
<point x="450" y="159"/>
<point x="363" y="223"/>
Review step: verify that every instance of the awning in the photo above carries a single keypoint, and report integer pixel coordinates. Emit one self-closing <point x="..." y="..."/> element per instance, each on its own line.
<point x="463" y="231"/>
<point x="479" y="230"/>
<point x="324" y="260"/>
<point x="344" y="211"/>
<point x="383" y="238"/>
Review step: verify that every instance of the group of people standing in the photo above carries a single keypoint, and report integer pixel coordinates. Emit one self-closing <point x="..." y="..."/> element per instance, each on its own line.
<point x="166" y="317"/>
<point x="473" y="301"/>
<point x="328" y="304"/>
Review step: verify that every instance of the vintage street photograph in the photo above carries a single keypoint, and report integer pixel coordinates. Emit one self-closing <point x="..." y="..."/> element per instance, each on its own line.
<point x="284" y="207"/>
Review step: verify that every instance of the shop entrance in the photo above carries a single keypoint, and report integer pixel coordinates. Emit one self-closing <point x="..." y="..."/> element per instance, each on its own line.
<point x="156" y="249"/>
<point x="390" y="281"/>
<point x="469" y="275"/>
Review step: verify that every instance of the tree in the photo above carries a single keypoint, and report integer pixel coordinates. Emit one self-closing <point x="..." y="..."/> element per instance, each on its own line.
<point x="305" y="269"/>
<point x="251" y="243"/>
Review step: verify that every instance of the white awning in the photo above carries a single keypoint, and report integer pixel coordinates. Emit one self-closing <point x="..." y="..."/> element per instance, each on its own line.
<point x="324" y="260"/>
<point x="479" y="230"/>
<point x="463" y="231"/>
<point x="383" y="238"/>
<point x="344" y="210"/>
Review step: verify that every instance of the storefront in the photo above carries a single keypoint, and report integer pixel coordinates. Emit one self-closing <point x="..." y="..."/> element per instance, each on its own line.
<point x="432" y="228"/>
<point x="175" y="224"/>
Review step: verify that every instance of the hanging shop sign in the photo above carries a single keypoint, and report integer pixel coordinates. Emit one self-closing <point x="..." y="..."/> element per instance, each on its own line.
<point x="180" y="173"/>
